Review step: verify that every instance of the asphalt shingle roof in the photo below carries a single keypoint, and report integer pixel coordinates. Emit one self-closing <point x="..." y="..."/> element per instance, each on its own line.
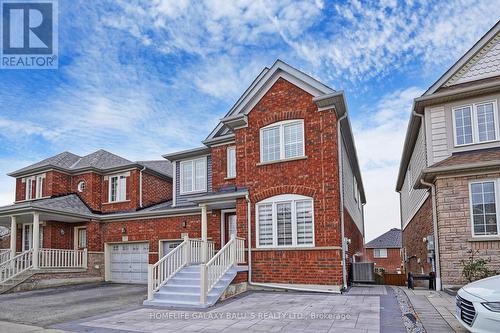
<point x="391" y="239"/>
<point x="470" y="157"/>
<point x="100" y="160"/>
<point x="70" y="203"/>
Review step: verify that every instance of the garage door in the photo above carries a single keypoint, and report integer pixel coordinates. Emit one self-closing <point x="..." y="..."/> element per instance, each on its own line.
<point x="129" y="262"/>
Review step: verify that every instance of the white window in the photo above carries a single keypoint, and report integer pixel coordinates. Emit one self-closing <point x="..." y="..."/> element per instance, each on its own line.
<point x="81" y="238"/>
<point x="38" y="187"/>
<point x="27" y="236"/>
<point x="193" y="176"/>
<point x="285" y="221"/>
<point x="231" y="162"/>
<point x="379" y="253"/>
<point x="81" y="186"/>
<point x="283" y="140"/>
<point x="29" y="188"/>
<point x="117" y="188"/>
<point x="484" y="214"/>
<point x="475" y="123"/>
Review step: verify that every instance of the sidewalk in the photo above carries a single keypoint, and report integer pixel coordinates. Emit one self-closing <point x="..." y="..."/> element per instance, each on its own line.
<point x="435" y="309"/>
<point x="6" y="326"/>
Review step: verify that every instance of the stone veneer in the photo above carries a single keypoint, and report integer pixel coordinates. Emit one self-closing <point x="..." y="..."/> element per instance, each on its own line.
<point x="454" y="224"/>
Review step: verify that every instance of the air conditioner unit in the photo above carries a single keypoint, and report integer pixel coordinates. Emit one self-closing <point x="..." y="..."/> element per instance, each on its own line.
<point x="363" y="272"/>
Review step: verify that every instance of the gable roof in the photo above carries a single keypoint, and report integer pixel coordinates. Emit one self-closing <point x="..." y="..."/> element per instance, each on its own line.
<point x="262" y="83"/>
<point x="481" y="61"/>
<point x="100" y="161"/>
<point x="390" y="239"/>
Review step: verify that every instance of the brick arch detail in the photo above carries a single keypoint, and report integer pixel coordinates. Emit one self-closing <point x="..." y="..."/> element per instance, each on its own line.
<point x="283" y="189"/>
<point x="276" y="117"/>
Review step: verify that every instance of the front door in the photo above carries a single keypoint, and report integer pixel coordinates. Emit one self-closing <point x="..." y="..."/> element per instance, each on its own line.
<point x="230" y="226"/>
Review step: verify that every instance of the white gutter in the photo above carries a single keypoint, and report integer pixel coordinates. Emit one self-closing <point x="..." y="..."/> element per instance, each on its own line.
<point x="341" y="185"/>
<point x="140" y="186"/>
<point x="436" y="238"/>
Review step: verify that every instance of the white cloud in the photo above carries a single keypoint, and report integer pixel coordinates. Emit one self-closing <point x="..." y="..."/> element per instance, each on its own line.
<point x="379" y="139"/>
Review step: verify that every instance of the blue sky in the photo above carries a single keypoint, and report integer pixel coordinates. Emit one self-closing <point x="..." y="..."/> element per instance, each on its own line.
<point x="143" y="78"/>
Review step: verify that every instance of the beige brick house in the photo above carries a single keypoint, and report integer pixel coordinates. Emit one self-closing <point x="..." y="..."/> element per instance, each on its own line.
<point x="449" y="176"/>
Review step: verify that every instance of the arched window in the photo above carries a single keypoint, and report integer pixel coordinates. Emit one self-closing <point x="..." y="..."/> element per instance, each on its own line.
<point x="285" y="220"/>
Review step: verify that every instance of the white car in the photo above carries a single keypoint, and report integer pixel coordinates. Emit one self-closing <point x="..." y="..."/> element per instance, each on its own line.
<point x="478" y="305"/>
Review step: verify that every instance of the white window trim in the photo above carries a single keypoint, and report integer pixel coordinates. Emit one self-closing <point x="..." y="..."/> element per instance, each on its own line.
<point x="474" y="123"/>
<point x="193" y="179"/>
<point x="23" y="240"/>
<point x="496" y="183"/>
<point x="284" y="198"/>
<point x="29" y="188"/>
<point x="76" y="238"/>
<point x="380" y="256"/>
<point x="229" y="149"/>
<point x="38" y="187"/>
<point x="118" y="188"/>
<point x="281" y="125"/>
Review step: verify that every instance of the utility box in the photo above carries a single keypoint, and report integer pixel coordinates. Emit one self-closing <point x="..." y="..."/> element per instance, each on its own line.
<point x="363" y="272"/>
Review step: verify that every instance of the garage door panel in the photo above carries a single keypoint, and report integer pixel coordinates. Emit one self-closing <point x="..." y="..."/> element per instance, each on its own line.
<point x="129" y="262"/>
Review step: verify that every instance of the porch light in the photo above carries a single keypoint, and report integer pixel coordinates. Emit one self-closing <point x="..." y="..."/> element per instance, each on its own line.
<point x="61" y="231"/>
<point x="184" y="224"/>
<point x="124" y="230"/>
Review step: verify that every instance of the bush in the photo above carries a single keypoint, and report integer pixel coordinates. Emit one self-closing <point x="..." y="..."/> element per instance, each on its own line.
<point x="474" y="269"/>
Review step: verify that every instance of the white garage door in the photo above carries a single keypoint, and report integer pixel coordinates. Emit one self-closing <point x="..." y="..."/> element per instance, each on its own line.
<point x="129" y="262"/>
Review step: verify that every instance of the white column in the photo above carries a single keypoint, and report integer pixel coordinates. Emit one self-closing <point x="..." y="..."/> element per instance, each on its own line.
<point x="13" y="236"/>
<point x="204" y="248"/>
<point x="36" y="239"/>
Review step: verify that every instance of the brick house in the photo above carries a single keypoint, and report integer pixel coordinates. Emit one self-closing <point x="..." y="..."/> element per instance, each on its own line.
<point x="385" y="251"/>
<point x="450" y="169"/>
<point x="275" y="190"/>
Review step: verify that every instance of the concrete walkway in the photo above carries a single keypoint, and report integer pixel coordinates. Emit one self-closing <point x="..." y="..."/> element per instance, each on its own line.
<point x="6" y="326"/>
<point x="435" y="309"/>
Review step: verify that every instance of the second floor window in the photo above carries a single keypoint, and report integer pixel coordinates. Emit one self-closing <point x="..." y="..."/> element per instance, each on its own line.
<point x="34" y="187"/>
<point x="193" y="176"/>
<point x="231" y="162"/>
<point x="117" y="188"/>
<point x="475" y="123"/>
<point x="281" y="141"/>
<point x="379" y="253"/>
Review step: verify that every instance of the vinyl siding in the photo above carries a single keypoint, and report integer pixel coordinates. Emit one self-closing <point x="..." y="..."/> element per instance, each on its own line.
<point x="182" y="200"/>
<point x="411" y="200"/>
<point x="438" y="147"/>
<point x="348" y="190"/>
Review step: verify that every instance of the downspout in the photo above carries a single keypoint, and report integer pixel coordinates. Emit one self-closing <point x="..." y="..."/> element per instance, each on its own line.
<point x="140" y="186"/>
<point x="341" y="190"/>
<point x="435" y="227"/>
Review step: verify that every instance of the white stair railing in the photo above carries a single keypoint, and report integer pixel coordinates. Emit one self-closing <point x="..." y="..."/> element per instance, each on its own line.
<point x="4" y="255"/>
<point x="62" y="258"/>
<point x="162" y="271"/>
<point x="196" y="250"/>
<point x="15" y="266"/>
<point x="215" y="268"/>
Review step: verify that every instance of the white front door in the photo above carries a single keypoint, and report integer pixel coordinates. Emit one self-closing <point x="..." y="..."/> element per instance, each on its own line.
<point x="129" y="262"/>
<point x="231" y="226"/>
<point x="168" y="246"/>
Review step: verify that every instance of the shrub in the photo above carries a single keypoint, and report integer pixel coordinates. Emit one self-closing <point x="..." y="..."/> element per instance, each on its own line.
<point x="474" y="268"/>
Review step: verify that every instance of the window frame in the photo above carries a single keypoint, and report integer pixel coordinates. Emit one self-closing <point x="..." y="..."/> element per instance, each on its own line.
<point x="474" y="122"/>
<point x="77" y="238"/>
<point x="293" y="199"/>
<point x="121" y="189"/>
<point x="81" y="186"/>
<point x="193" y="178"/>
<point x="281" y="125"/>
<point x="229" y="170"/>
<point x="496" y="186"/>
<point x="379" y="256"/>
<point x="29" y="188"/>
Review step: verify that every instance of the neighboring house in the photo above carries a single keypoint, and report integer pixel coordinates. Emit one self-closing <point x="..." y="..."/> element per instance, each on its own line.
<point x="280" y="170"/>
<point x="385" y="251"/>
<point x="449" y="176"/>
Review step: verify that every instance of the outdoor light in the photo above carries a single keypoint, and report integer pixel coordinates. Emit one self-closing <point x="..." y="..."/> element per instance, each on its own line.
<point x="61" y="231"/>
<point x="184" y="224"/>
<point x="124" y="230"/>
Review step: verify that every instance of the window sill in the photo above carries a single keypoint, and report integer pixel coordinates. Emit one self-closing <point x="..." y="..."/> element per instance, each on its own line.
<point x="283" y="160"/>
<point x="115" y="202"/>
<point x="484" y="239"/>
<point x="230" y="178"/>
<point x="193" y="192"/>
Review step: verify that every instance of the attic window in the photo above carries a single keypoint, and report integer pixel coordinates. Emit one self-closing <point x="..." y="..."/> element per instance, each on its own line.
<point x="81" y="186"/>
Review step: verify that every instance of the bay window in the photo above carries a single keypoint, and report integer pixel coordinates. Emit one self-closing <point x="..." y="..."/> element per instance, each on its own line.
<point x="285" y="221"/>
<point x="282" y="140"/>
<point x="475" y="123"/>
<point x="193" y="176"/>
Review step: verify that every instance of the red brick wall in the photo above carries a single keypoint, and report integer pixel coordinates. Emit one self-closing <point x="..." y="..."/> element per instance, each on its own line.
<point x="152" y="230"/>
<point x="132" y="195"/>
<point x="316" y="176"/>
<point x="390" y="264"/>
<point x="20" y="190"/>
<point x="352" y="232"/>
<point x="57" y="183"/>
<point x="219" y="167"/>
<point x="154" y="189"/>
<point x="419" y="227"/>
<point x="92" y="195"/>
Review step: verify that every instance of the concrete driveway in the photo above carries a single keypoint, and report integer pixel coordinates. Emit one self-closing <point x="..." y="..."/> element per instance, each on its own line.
<point x="56" y="305"/>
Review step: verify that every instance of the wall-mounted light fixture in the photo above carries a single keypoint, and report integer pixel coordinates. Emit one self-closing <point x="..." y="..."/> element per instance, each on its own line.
<point x="61" y="231"/>
<point x="184" y="224"/>
<point x="124" y="230"/>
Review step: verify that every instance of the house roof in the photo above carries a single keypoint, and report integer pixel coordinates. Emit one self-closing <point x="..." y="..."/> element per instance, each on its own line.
<point x="71" y="204"/>
<point x="470" y="157"/>
<point x="471" y="75"/>
<point x="391" y="239"/>
<point x="100" y="161"/>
